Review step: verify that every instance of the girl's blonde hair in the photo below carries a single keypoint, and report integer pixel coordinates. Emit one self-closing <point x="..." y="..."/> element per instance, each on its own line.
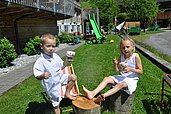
<point x="129" y="39"/>
<point x="45" y="36"/>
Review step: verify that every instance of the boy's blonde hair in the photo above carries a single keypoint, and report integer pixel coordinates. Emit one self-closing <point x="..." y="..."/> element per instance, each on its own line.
<point x="129" y="39"/>
<point x="45" y="36"/>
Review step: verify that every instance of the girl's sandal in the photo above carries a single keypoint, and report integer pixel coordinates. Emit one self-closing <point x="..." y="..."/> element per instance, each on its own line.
<point x="99" y="99"/>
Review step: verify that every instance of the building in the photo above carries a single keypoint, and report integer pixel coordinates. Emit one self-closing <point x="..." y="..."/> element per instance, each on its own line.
<point x="24" y="19"/>
<point x="73" y="24"/>
<point x="164" y="17"/>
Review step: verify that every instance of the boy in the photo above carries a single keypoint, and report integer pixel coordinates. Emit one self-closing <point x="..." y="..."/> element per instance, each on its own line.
<point x="48" y="68"/>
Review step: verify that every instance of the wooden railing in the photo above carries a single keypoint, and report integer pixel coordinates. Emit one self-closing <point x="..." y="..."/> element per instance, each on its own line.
<point x="57" y="6"/>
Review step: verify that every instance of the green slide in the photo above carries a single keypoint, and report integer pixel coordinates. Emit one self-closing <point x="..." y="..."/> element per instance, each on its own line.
<point x="95" y="27"/>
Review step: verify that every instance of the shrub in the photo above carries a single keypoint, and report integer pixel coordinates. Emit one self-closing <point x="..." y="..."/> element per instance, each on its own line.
<point x="153" y="27"/>
<point x="65" y="38"/>
<point x="69" y="38"/>
<point x="32" y="46"/>
<point x="7" y="52"/>
<point x="57" y="40"/>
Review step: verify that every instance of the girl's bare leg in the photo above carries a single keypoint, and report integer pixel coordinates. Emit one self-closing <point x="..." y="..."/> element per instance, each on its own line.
<point x="115" y="89"/>
<point x="101" y="86"/>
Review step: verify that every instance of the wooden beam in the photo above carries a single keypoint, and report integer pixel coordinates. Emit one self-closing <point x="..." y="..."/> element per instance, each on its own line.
<point x="53" y="1"/>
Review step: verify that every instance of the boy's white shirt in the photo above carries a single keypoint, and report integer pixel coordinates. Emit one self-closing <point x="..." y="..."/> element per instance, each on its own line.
<point x="52" y="85"/>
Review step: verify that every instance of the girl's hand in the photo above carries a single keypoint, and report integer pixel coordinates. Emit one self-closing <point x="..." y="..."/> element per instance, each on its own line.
<point x="127" y="69"/>
<point x="46" y="75"/>
<point x="115" y="61"/>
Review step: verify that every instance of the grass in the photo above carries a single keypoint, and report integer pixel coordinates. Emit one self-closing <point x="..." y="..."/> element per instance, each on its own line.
<point x="145" y="35"/>
<point x="91" y="64"/>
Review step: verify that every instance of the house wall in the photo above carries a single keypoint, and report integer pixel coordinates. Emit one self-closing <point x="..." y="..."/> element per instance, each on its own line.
<point x="29" y="27"/>
<point x="19" y="31"/>
<point x="7" y="28"/>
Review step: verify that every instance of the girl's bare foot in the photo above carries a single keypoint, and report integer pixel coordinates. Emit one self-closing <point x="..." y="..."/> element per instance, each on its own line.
<point x="87" y="93"/>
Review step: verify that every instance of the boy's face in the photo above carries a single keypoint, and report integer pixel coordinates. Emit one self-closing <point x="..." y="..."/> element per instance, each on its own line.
<point x="49" y="46"/>
<point x="127" y="48"/>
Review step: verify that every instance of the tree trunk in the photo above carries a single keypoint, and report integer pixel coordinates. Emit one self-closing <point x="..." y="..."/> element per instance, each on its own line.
<point x="82" y="105"/>
<point x="121" y="102"/>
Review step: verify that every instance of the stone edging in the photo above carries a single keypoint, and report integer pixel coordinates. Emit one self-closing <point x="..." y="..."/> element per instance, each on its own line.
<point x="162" y="64"/>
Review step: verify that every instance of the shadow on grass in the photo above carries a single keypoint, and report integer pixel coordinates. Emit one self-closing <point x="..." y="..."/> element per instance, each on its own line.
<point x="152" y="94"/>
<point x="45" y="107"/>
<point x="153" y="107"/>
<point x="39" y="108"/>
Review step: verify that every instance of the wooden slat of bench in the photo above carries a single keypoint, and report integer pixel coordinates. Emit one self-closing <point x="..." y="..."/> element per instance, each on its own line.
<point x="169" y="76"/>
<point x="67" y="70"/>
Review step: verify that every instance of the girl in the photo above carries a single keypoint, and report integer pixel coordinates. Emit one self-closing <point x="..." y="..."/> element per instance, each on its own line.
<point x="131" y="67"/>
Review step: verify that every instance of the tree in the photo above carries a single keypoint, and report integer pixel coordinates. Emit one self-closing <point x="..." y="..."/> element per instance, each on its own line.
<point x="108" y="9"/>
<point x="143" y="10"/>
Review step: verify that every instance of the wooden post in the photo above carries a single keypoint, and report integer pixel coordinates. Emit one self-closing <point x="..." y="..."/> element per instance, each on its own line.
<point x="82" y="105"/>
<point x="76" y="83"/>
<point x="121" y="102"/>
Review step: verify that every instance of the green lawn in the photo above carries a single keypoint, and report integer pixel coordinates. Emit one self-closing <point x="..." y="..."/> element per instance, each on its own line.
<point x="91" y="64"/>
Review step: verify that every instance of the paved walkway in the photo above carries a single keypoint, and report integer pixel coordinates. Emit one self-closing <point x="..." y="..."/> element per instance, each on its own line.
<point x="12" y="78"/>
<point x="161" y="42"/>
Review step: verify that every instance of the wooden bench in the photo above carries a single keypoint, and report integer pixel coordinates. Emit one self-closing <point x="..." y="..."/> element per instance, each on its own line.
<point x="166" y="79"/>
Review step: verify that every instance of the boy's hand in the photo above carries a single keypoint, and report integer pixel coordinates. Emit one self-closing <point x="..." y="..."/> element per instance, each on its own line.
<point x="46" y="75"/>
<point x="67" y="61"/>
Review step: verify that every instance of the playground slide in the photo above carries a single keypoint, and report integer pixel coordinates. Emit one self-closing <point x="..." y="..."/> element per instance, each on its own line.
<point x="95" y="27"/>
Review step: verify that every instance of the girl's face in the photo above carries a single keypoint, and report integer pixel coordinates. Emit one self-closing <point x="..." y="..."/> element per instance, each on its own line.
<point x="127" y="48"/>
<point x="49" y="46"/>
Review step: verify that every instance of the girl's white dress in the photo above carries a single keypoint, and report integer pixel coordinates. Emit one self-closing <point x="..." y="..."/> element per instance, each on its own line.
<point x="130" y="78"/>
